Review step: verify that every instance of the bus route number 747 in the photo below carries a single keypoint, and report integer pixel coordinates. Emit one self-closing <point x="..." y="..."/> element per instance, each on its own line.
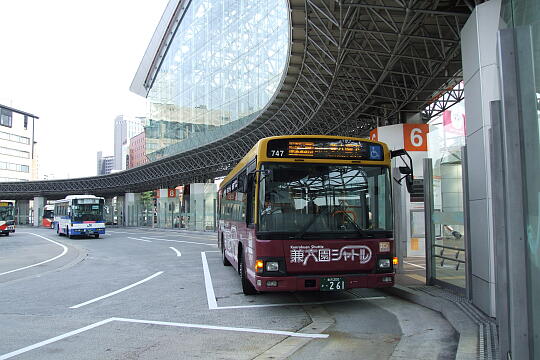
<point x="277" y="153"/>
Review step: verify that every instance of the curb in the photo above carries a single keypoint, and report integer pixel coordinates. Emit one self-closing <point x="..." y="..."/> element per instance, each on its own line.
<point x="467" y="329"/>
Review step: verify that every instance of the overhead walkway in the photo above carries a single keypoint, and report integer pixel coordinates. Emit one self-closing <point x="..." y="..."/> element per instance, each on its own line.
<point x="352" y="66"/>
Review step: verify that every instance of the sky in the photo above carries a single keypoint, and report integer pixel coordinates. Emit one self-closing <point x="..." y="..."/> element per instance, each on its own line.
<point x="71" y="63"/>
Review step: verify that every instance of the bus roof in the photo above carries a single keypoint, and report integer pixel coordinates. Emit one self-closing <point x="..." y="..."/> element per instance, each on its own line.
<point x="260" y="145"/>
<point x="73" y="197"/>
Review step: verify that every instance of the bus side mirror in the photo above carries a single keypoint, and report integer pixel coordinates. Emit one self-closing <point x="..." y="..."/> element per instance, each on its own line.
<point x="406" y="170"/>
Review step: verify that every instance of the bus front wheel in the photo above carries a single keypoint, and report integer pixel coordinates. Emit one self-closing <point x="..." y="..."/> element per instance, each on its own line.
<point x="247" y="287"/>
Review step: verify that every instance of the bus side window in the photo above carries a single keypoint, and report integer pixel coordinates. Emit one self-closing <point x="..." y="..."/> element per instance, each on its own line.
<point x="250" y="197"/>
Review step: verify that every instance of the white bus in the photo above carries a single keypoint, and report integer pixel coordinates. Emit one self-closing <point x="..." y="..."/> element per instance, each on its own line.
<point x="79" y="215"/>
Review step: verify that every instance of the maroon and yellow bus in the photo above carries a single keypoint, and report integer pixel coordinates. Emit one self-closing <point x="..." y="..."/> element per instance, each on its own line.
<point x="309" y="213"/>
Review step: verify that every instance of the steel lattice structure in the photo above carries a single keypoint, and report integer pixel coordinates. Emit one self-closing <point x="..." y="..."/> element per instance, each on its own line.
<point x="353" y="65"/>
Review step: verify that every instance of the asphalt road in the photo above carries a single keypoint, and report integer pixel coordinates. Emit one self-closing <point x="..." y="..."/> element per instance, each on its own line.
<point x="158" y="294"/>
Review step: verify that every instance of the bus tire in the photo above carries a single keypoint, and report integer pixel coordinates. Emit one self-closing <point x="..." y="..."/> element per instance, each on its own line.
<point x="7" y="234"/>
<point x="96" y="236"/>
<point x="247" y="286"/>
<point x="67" y="233"/>
<point x="224" y="259"/>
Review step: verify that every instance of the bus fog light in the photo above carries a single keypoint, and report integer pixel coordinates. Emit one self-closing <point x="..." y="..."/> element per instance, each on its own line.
<point x="384" y="246"/>
<point x="272" y="266"/>
<point x="271" y="283"/>
<point x="384" y="263"/>
<point x="387" y="279"/>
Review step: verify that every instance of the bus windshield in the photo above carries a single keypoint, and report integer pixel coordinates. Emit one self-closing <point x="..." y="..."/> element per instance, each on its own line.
<point x="48" y="214"/>
<point x="87" y="212"/>
<point x="324" y="198"/>
<point x="6" y="213"/>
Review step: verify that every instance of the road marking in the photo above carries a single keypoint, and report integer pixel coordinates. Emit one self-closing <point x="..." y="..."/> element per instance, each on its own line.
<point x="117" y="291"/>
<point x="226" y="328"/>
<point x="210" y="295"/>
<point x="162" y="323"/>
<point x="179" y="241"/>
<point x="178" y="253"/>
<point x="54" y="339"/>
<point x="408" y="263"/>
<point x="417" y="277"/>
<point x="138" y="239"/>
<point x="302" y="304"/>
<point x="212" y="302"/>
<point x="64" y="252"/>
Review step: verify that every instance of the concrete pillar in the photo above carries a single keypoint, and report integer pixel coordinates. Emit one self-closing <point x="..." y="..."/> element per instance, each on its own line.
<point x="480" y="76"/>
<point x="119" y="211"/>
<point x="131" y="209"/>
<point x="168" y="208"/>
<point x="201" y="204"/>
<point x="22" y="212"/>
<point x="39" y="203"/>
<point x="108" y="211"/>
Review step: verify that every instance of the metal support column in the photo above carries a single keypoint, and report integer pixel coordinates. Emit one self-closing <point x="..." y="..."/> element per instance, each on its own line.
<point x="428" y="219"/>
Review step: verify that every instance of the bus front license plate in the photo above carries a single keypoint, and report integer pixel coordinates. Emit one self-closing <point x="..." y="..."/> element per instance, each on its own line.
<point x="332" y="284"/>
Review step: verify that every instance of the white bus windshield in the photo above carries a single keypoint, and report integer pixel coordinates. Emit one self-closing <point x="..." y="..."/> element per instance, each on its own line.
<point x="6" y="213"/>
<point x="87" y="212"/>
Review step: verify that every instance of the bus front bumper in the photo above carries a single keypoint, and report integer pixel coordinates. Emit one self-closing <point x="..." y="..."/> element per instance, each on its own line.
<point x="85" y="231"/>
<point x="313" y="282"/>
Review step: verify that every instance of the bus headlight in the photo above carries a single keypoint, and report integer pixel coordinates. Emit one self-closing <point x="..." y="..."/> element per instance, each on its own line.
<point x="272" y="266"/>
<point x="384" y="246"/>
<point x="384" y="263"/>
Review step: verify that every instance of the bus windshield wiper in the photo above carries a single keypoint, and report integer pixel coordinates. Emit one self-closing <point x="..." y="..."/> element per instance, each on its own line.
<point x="302" y="232"/>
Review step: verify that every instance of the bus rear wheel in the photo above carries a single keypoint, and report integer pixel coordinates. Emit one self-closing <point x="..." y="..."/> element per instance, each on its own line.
<point x="247" y="286"/>
<point x="96" y="236"/>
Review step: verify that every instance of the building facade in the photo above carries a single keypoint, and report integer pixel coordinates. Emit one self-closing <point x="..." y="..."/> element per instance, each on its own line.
<point x="105" y="164"/>
<point x="222" y="68"/>
<point x="18" y="161"/>
<point x="125" y="128"/>
<point x="137" y="150"/>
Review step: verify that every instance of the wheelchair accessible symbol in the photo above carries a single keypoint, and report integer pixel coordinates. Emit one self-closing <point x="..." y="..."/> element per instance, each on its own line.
<point x="375" y="152"/>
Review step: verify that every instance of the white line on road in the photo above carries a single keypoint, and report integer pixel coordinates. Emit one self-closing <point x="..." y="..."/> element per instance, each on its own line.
<point x="54" y="339"/>
<point x="226" y="328"/>
<point x="163" y="323"/>
<point x="64" y="252"/>
<point x="212" y="302"/>
<point x="210" y="295"/>
<point x="408" y="263"/>
<point x="138" y="239"/>
<point x="179" y="241"/>
<point x="178" y="253"/>
<point x="302" y="303"/>
<point x="117" y="291"/>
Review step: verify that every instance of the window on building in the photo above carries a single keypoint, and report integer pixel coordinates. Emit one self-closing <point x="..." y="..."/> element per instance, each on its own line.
<point x="25" y="122"/>
<point x="6" y="117"/>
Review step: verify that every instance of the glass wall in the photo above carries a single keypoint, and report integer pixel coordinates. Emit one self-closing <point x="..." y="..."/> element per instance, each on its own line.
<point x="447" y="134"/>
<point x="222" y="68"/>
<point x="524" y="16"/>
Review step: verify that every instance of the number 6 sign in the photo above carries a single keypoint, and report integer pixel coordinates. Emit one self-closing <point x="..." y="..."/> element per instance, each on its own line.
<point x="415" y="137"/>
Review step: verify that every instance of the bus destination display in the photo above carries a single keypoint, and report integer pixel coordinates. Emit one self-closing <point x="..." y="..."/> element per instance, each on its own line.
<point x="341" y="149"/>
